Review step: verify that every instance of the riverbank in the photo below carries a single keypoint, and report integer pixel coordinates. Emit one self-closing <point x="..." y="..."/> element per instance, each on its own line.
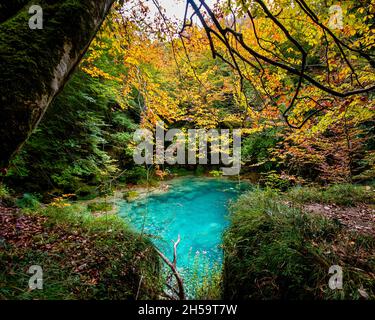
<point x="277" y="246"/>
<point x="81" y="256"/>
<point x="133" y="192"/>
<point x="283" y="246"/>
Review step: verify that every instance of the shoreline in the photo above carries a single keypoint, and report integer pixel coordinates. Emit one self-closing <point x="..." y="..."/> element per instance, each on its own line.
<point x="138" y="192"/>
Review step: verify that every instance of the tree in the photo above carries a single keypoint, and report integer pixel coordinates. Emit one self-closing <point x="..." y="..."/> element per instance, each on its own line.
<point x="35" y="64"/>
<point x="295" y="40"/>
<point x="286" y="43"/>
<point x="88" y="125"/>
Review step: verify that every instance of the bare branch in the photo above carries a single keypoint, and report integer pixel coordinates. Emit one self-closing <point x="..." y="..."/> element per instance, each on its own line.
<point x="173" y="267"/>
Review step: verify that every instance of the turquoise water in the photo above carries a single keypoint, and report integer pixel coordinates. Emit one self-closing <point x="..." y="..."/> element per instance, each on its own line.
<point x="195" y="209"/>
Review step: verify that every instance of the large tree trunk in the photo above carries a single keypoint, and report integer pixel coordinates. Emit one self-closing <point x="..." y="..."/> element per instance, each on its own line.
<point x="35" y="64"/>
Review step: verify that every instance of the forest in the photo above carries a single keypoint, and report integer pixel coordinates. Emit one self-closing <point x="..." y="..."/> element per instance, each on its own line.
<point x="81" y="219"/>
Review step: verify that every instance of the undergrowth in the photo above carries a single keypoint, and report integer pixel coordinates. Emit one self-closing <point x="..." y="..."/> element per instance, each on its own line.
<point x="82" y="257"/>
<point x="340" y="194"/>
<point x="100" y="206"/>
<point x="276" y="251"/>
<point x="204" y="278"/>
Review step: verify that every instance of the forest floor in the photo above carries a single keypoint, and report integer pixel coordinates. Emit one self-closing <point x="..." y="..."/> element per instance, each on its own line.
<point x="360" y="218"/>
<point x="82" y="247"/>
<point x="281" y="245"/>
<point x="351" y="205"/>
<point x="82" y="256"/>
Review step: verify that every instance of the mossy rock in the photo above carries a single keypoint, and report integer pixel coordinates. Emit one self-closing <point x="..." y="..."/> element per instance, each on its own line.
<point x="33" y="62"/>
<point x="130" y="195"/>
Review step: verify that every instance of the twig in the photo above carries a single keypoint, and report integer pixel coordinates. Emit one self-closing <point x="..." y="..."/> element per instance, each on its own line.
<point x="173" y="267"/>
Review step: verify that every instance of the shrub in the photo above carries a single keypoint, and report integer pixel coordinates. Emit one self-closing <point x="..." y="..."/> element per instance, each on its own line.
<point x="180" y="171"/>
<point x="274" y="251"/>
<point x="199" y="171"/>
<point x="257" y="149"/>
<point x="204" y="278"/>
<point x="136" y="174"/>
<point x="130" y="195"/>
<point x="216" y="173"/>
<point x="5" y="196"/>
<point x="348" y="194"/>
<point x="341" y="194"/>
<point x="28" y="201"/>
<point x="276" y="181"/>
<point x="4" y="192"/>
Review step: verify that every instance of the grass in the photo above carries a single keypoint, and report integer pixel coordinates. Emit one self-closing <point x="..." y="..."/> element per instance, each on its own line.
<point x="272" y="250"/>
<point x="204" y="278"/>
<point x="340" y="194"/>
<point x="5" y="195"/>
<point x="276" y="251"/>
<point x="82" y="257"/>
<point x="4" y="192"/>
<point x="100" y="206"/>
<point x="210" y="287"/>
<point x="28" y="201"/>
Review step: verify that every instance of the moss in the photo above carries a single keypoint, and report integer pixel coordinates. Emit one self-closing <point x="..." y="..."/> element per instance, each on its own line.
<point x="29" y="58"/>
<point x="9" y="8"/>
<point x="130" y="195"/>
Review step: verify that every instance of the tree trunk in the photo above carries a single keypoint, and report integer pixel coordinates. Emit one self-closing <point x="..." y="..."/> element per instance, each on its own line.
<point x="35" y="64"/>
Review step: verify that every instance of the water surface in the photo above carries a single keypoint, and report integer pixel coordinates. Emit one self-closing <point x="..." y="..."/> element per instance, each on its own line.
<point x="194" y="208"/>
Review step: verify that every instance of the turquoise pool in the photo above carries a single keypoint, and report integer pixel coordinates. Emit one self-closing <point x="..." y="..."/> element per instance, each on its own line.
<point x="195" y="209"/>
